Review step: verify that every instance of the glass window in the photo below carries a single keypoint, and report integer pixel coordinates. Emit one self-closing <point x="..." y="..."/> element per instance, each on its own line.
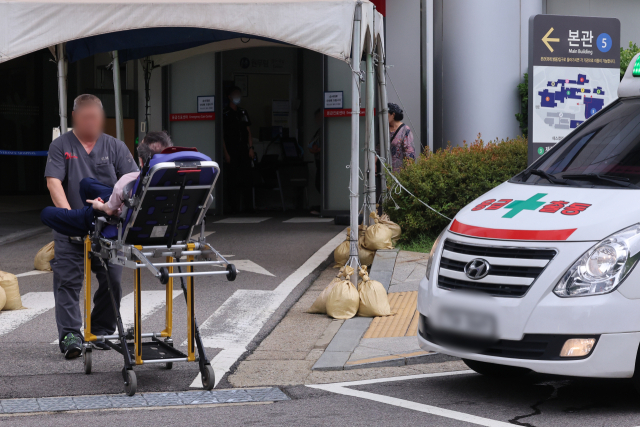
<point x="608" y="146"/>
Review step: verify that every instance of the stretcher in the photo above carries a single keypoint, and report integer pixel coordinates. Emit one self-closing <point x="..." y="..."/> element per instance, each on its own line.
<point x="162" y="209"/>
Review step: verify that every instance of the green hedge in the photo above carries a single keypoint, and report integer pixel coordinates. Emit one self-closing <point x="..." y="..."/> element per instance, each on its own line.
<point x="450" y="179"/>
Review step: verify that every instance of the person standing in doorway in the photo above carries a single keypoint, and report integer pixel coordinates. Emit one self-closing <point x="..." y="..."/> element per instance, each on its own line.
<point x="400" y="138"/>
<point x="238" y="153"/>
<point x="315" y="147"/>
<point x="85" y="152"/>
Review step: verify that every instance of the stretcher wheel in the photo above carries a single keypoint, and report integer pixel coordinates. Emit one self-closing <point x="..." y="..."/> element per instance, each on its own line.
<point x="87" y="361"/>
<point x="168" y="365"/>
<point x="164" y="275"/>
<point x="131" y="385"/>
<point x="232" y="272"/>
<point x="208" y="377"/>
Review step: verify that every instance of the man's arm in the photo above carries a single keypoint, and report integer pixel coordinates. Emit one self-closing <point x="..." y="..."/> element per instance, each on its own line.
<point x="57" y="193"/>
<point x="250" y="143"/>
<point x="227" y="157"/>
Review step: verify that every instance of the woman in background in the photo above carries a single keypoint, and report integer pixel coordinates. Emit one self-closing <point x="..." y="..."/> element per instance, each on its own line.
<point x="400" y="137"/>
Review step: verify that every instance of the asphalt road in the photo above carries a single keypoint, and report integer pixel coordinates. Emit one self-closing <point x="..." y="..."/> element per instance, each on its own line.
<point x="449" y="400"/>
<point x="32" y="366"/>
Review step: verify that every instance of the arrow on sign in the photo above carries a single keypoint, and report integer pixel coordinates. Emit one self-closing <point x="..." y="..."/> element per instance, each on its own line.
<point x="546" y="39"/>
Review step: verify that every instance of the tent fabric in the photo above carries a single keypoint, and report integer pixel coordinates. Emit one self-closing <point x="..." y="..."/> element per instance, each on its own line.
<point x="163" y="59"/>
<point x="324" y="26"/>
<point x="148" y="41"/>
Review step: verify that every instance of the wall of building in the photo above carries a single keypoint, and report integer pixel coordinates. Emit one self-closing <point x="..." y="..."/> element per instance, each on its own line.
<point x="402" y="22"/>
<point x="627" y="11"/>
<point x="190" y="78"/>
<point x="479" y="59"/>
<point x="337" y="139"/>
<point x="155" y="102"/>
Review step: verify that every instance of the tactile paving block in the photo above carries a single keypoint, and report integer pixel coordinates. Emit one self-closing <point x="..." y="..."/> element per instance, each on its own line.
<point x="196" y="397"/>
<point x="162" y="399"/>
<point x="15" y="406"/>
<point x="93" y="402"/>
<point x="57" y="404"/>
<point x="128" y="401"/>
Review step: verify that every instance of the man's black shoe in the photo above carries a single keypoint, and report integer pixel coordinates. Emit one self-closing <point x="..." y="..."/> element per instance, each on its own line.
<point x="71" y="346"/>
<point x="100" y="345"/>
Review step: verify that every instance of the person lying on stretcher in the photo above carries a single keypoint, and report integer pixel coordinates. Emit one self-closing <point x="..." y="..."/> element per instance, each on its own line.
<point x="100" y="197"/>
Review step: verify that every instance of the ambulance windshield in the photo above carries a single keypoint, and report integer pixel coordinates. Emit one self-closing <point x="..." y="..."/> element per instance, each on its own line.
<point x="604" y="152"/>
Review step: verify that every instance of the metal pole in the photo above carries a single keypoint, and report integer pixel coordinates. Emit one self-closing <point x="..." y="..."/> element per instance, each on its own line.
<point x="62" y="87"/>
<point x="384" y="114"/>
<point x="118" y="96"/>
<point x="370" y="136"/>
<point x="355" y="140"/>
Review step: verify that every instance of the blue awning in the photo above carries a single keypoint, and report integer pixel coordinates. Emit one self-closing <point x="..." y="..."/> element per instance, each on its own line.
<point x="136" y="44"/>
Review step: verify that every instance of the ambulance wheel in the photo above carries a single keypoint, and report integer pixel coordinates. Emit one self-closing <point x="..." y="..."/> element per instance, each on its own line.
<point x="231" y="272"/>
<point x="208" y="377"/>
<point x="87" y="361"/>
<point x="496" y="371"/>
<point x="131" y="385"/>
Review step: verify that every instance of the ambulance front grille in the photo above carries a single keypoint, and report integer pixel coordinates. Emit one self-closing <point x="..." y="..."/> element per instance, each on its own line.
<point x="511" y="273"/>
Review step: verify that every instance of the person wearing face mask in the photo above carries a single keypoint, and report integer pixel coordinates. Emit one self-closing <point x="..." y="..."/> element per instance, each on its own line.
<point x="238" y="153"/>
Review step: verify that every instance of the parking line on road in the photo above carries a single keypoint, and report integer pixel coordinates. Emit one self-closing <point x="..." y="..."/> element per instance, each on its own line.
<point x="238" y="320"/>
<point x="342" y="388"/>
<point x="248" y="220"/>
<point x="36" y="303"/>
<point x="33" y="273"/>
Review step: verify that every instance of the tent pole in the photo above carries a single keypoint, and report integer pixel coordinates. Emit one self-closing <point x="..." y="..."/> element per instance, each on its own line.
<point x="370" y="137"/>
<point x="354" y="184"/>
<point x="117" y="95"/>
<point x="62" y="87"/>
<point x="384" y="116"/>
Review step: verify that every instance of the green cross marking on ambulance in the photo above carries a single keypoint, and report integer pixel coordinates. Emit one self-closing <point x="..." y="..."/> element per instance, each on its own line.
<point x="530" y="204"/>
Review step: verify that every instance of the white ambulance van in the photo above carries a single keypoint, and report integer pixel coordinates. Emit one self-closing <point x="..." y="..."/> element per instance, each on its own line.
<point x="539" y="274"/>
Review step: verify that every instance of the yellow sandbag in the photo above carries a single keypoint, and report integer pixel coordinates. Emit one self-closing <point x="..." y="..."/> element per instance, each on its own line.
<point x="341" y="253"/>
<point x="343" y="300"/>
<point x="377" y="236"/>
<point x="3" y="298"/>
<point x="373" y="297"/>
<point x="396" y="231"/>
<point x="366" y="256"/>
<point x="9" y="283"/>
<point x="44" y="255"/>
<point x="320" y="304"/>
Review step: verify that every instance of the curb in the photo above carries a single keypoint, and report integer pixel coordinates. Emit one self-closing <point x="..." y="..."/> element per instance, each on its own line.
<point x="19" y="235"/>
<point x="348" y="336"/>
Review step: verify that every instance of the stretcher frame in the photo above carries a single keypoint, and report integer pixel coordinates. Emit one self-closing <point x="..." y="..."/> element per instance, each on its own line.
<point x="136" y="257"/>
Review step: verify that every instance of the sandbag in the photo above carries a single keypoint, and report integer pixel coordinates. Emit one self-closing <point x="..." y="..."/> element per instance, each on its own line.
<point x="396" y="231"/>
<point x="373" y="297"/>
<point x="44" y="255"/>
<point x="366" y="256"/>
<point x="343" y="300"/>
<point x="319" y="306"/>
<point x="9" y="283"/>
<point x="3" y="298"/>
<point x="341" y="253"/>
<point x="377" y="236"/>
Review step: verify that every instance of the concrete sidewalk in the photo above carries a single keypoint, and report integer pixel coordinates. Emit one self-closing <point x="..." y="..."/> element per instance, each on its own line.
<point x="293" y="351"/>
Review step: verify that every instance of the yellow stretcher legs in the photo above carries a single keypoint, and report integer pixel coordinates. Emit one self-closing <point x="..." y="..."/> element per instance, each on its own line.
<point x="191" y="325"/>
<point x="168" y="323"/>
<point x="88" y="336"/>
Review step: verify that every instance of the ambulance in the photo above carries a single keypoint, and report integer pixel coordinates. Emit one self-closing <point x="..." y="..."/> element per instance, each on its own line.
<point x="540" y="274"/>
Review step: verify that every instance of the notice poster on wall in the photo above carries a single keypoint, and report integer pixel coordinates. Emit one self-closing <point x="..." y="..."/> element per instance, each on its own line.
<point x="333" y="100"/>
<point x="206" y="104"/>
<point x="280" y="112"/>
<point x="574" y="72"/>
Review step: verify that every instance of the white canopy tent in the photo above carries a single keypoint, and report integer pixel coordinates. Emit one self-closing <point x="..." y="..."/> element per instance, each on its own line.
<point x="324" y="26"/>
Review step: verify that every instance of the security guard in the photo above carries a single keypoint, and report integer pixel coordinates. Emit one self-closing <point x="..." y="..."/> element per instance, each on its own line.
<point x="238" y="153"/>
<point x="85" y="152"/>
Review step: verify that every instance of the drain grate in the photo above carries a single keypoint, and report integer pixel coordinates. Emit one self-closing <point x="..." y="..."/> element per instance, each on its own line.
<point x="48" y="404"/>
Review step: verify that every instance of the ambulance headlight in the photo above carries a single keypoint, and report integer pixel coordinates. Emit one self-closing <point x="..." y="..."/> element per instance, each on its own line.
<point x="603" y="267"/>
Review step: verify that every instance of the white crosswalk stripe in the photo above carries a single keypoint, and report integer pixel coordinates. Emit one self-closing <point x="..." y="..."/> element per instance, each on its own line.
<point x="152" y="301"/>
<point x="36" y="303"/>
